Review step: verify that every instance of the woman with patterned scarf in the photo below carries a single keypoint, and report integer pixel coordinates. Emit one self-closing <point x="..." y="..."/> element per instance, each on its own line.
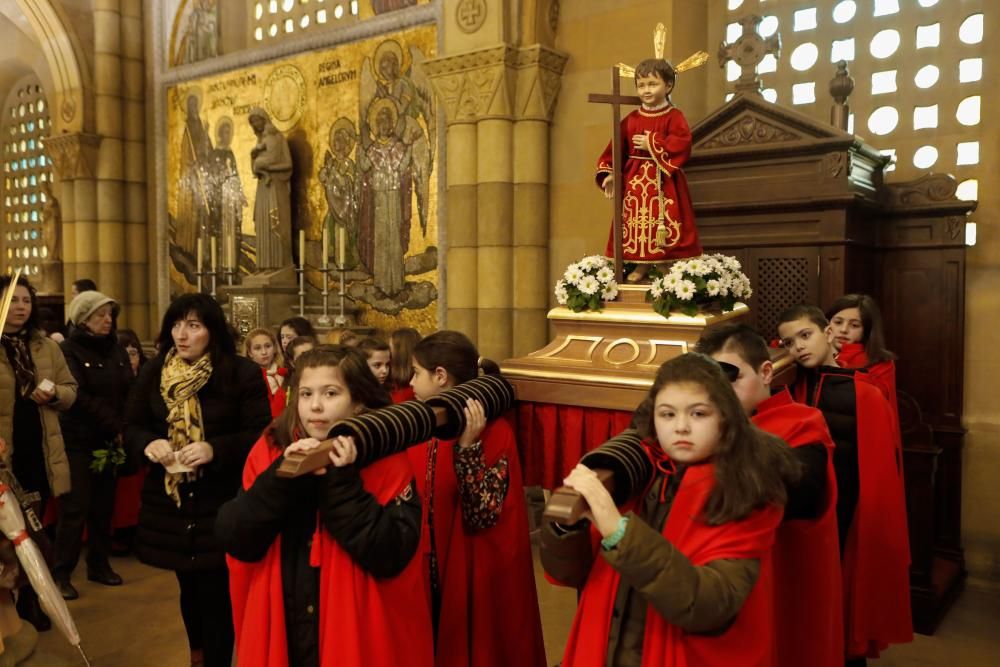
<point x="196" y="411"/>
<point x="29" y="419"/>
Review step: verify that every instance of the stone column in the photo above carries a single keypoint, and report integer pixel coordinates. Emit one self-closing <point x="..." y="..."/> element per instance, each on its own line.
<point x="106" y="248"/>
<point x="495" y="225"/>
<point x="539" y="72"/>
<point x="136" y="258"/>
<point x="74" y="161"/>
<point x="461" y="274"/>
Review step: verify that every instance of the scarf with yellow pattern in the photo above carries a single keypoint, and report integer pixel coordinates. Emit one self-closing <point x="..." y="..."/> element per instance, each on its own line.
<point x="180" y="383"/>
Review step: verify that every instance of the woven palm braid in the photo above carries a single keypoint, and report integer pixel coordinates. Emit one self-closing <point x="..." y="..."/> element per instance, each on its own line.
<point x="623" y="455"/>
<point x="388" y="430"/>
<point x="493" y="391"/>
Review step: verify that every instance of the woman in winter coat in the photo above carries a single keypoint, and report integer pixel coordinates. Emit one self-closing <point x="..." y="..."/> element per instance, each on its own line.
<point x="92" y="430"/>
<point x="195" y="412"/>
<point x="35" y="385"/>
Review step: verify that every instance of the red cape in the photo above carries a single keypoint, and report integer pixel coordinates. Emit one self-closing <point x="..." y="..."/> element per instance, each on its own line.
<point x="808" y="594"/>
<point x="363" y="621"/>
<point x="489" y="604"/>
<point x="747" y="642"/>
<point x="402" y="394"/>
<point x="881" y="374"/>
<point x="876" y="563"/>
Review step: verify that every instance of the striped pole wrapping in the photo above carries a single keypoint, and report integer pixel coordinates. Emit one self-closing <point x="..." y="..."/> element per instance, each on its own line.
<point x="493" y="391"/>
<point x="623" y="455"/>
<point x="387" y="431"/>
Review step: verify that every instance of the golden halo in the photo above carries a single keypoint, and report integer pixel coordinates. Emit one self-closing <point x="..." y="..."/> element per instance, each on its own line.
<point x="346" y="124"/>
<point x="383" y="49"/>
<point x="191" y="91"/>
<point x="373" y="111"/>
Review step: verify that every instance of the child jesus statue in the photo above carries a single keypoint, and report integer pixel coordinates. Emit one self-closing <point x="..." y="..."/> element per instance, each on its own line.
<point x="657" y="216"/>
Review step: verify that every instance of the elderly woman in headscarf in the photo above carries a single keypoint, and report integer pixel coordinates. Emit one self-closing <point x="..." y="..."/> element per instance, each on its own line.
<point x="92" y="430"/>
<point x="35" y="385"/>
<point x="196" y="410"/>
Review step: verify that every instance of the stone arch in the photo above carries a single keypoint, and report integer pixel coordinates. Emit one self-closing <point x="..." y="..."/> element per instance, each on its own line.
<point x="68" y="78"/>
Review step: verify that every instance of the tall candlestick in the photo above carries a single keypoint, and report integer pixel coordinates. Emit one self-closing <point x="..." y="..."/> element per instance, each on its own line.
<point x="302" y="248"/>
<point x="199" y="249"/>
<point x="340" y="247"/>
<point x="326" y="247"/>
<point x="212" y="253"/>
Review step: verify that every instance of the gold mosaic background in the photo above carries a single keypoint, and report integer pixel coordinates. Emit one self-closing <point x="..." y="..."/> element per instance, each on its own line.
<point x="305" y="95"/>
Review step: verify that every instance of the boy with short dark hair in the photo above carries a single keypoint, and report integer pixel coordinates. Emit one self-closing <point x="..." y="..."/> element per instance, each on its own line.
<point x="871" y="508"/>
<point x="808" y="592"/>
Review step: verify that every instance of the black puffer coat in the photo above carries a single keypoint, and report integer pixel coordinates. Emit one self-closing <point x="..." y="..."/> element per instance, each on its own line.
<point x="104" y="375"/>
<point x="235" y="410"/>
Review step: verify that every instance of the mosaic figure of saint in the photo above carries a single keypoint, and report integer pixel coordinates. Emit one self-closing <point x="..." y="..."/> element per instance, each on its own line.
<point x="193" y="208"/>
<point x="339" y="176"/>
<point x="227" y="200"/>
<point x="386" y="190"/>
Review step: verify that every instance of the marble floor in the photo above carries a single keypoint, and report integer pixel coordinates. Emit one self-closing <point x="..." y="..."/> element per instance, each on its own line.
<point x="138" y="625"/>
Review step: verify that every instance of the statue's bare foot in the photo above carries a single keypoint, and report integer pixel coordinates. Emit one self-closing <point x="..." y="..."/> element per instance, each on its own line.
<point x="638" y="273"/>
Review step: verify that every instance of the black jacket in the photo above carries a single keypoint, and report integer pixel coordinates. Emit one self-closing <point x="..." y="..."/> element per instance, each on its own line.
<point x="102" y="370"/>
<point x="381" y="539"/>
<point x="235" y="410"/>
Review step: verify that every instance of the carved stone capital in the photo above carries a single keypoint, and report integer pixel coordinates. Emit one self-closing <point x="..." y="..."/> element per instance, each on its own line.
<point x="73" y="155"/>
<point x="497" y="82"/>
<point x="475" y="84"/>
<point x="539" y="77"/>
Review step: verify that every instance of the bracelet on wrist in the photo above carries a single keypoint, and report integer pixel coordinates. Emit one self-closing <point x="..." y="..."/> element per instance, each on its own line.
<point x="611" y="541"/>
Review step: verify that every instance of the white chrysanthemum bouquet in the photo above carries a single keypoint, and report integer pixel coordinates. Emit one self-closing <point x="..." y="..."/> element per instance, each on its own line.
<point x="587" y="284"/>
<point x="699" y="283"/>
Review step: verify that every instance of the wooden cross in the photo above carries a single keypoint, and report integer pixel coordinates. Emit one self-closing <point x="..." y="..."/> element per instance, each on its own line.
<point x="616" y="100"/>
<point x="748" y="51"/>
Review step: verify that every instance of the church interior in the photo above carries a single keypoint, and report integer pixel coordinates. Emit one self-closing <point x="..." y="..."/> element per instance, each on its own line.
<point x="373" y="165"/>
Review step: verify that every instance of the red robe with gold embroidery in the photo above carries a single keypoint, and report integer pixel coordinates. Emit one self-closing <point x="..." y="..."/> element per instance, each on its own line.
<point x="653" y="183"/>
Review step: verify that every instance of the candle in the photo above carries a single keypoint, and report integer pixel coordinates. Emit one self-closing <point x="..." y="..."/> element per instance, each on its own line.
<point x="326" y="247"/>
<point x="340" y="247"/>
<point x="201" y="249"/>
<point x="302" y="249"/>
<point x="212" y="254"/>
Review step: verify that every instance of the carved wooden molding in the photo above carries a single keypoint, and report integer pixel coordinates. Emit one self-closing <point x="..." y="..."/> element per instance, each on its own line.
<point x="73" y="155"/>
<point x="836" y="164"/>
<point x="748" y="129"/>
<point x="955" y="226"/>
<point x="928" y="189"/>
<point x="497" y="82"/>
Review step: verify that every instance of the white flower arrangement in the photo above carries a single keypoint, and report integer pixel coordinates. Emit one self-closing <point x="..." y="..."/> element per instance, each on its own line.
<point x="700" y="282"/>
<point x="587" y="284"/>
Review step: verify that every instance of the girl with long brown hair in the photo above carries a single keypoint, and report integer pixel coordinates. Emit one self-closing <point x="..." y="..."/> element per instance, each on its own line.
<point x="476" y="543"/>
<point x="321" y="566"/>
<point x="855" y="330"/>
<point x="401" y="344"/>
<point x="685" y="576"/>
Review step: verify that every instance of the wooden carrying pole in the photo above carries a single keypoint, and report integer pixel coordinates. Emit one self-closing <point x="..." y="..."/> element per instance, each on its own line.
<point x="566" y="505"/>
<point x="297" y="464"/>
